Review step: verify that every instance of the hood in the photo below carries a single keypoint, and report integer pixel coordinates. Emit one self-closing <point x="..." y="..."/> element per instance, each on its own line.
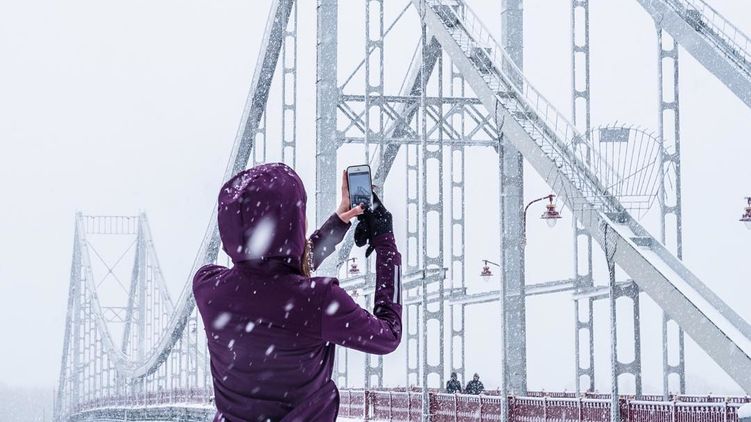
<point x="261" y="214"/>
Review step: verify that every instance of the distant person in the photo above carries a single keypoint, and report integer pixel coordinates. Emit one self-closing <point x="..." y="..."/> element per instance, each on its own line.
<point x="453" y="385"/>
<point x="271" y="326"/>
<point x="475" y="386"/>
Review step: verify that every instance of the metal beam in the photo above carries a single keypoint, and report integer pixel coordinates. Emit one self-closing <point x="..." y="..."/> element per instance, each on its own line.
<point x="477" y="126"/>
<point x="669" y="195"/>
<point x="366" y="283"/>
<point x="582" y="241"/>
<point x="602" y="292"/>
<point x="327" y="96"/>
<point x="70" y="340"/>
<point x="537" y="289"/>
<point x="255" y="105"/>
<point x="512" y="243"/>
<point x="401" y="128"/>
<point x="412" y="88"/>
<point x="289" y="91"/>
<point x="433" y="297"/>
<point x="457" y="231"/>
<point x="710" y="38"/>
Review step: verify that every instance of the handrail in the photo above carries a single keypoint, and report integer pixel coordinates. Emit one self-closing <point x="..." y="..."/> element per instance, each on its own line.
<point x="528" y="96"/>
<point x="720" y="26"/>
<point x="399" y="406"/>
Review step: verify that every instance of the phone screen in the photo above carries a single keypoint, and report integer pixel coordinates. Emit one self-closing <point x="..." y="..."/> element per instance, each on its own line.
<point x="360" y="186"/>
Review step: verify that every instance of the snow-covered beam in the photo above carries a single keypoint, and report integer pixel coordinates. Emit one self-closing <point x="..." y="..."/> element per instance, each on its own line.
<point x="718" y="45"/>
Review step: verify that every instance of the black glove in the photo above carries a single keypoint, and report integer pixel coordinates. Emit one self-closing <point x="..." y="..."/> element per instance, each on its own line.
<point x="372" y="224"/>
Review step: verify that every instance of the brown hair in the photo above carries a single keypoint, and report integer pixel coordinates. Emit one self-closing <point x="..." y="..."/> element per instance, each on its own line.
<point x="307" y="259"/>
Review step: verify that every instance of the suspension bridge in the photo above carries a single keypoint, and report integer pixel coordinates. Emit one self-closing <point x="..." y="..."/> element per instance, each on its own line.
<point x="144" y="358"/>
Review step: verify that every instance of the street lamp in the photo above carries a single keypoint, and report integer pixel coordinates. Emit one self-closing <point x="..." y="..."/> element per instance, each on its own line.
<point x="486" y="273"/>
<point x="746" y="217"/>
<point x="551" y="215"/>
<point x="352" y="269"/>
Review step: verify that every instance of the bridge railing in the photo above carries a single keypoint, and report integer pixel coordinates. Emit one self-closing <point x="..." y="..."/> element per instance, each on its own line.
<point x="647" y="397"/>
<point x="403" y="404"/>
<point x="705" y="18"/>
<point x="406" y="405"/>
<point x="178" y="396"/>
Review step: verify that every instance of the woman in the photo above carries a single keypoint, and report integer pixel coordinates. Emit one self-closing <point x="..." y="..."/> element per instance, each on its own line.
<point x="271" y="327"/>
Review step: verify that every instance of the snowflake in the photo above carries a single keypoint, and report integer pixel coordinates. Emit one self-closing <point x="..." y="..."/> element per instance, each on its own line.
<point x="221" y="320"/>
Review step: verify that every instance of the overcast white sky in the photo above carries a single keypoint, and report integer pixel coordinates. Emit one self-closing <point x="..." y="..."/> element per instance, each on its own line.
<point x="115" y="107"/>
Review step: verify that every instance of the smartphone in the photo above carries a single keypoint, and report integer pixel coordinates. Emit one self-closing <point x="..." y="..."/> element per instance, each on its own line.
<point x="360" y="186"/>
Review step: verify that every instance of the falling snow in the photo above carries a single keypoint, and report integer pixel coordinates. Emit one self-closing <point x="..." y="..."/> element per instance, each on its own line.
<point x="260" y="239"/>
<point x="318" y="322"/>
<point x="332" y="308"/>
<point x="221" y="321"/>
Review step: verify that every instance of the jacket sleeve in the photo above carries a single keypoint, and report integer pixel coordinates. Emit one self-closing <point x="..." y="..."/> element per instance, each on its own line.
<point x="345" y="323"/>
<point x="326" y="238"/>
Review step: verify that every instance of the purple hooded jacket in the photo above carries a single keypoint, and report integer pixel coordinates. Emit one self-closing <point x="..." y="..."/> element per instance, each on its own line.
<point x="271" y="331"/>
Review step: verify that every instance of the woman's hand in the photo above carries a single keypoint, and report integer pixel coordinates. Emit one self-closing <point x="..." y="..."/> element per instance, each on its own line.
<point x="373" y="224"/>
<point x="343" y="211"/>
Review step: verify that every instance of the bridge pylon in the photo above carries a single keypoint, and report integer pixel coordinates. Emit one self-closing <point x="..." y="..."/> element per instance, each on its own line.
<point x="95" y="360"/>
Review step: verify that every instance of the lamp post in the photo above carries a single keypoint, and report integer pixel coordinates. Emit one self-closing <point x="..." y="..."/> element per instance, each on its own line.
<point x="746" y="217"/>
<point x="551" y="215"/>
<point x="352" y="269"/>
<point x="486" y="273"/>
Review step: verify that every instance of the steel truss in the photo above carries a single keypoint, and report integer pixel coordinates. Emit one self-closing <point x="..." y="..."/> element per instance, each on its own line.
<point x="457" y="232"/>
<point x="583" y="303"/>
<point x="511" y="194"/>
<point x="92" y="367"/>
<point x="545" y="138"/>
<point x="581" y="118"/>
<point x="671" y="216"/>
<point x="458" y="121"/>
<point x="669" y="185"/>
<point x="400" y="111"/>
<point x="374" y="129"/>
<point x="440" y="115"/>
<point x="722" y="48"/>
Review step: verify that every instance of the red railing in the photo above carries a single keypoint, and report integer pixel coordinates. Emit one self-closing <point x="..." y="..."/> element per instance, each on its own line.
<point x="403" y="405"/>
